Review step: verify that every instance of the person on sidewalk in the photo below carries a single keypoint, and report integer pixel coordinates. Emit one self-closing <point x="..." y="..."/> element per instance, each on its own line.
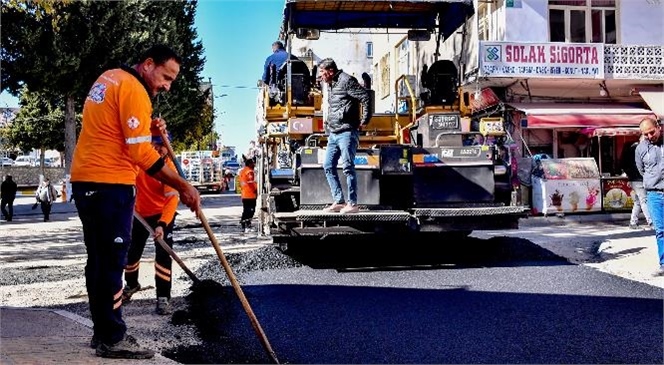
<point x="8" y="190"/>
<point x="46" y="195"/>
<point x="248" y="193"/>
<point x="343" y="121"/>
<point x="649" y="158"/>
<point x="114" y="144"/>
<point x="157" y="203"/>
<point x="628" y="165"/>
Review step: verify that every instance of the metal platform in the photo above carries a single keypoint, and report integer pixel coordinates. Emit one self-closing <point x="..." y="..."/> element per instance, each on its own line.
<point x="361" y="216"/>
<point x="327" y="231"/>
<point x="470" y="212"/>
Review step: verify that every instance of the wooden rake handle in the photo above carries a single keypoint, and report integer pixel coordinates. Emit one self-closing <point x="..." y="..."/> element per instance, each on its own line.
<point x="224" y="263"/>
<point x="166" y="248"/>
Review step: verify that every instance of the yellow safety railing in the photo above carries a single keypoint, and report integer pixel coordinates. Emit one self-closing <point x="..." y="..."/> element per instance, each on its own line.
<point x="410" y="101"/>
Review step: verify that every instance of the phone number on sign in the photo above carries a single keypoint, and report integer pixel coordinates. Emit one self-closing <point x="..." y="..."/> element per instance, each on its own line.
<point x="539" y="70"/>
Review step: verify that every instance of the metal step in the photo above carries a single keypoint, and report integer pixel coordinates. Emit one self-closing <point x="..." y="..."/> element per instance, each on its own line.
<point x="361" y="216"/>
<point x="470" y="212"/>
<point x="327" y="231"/>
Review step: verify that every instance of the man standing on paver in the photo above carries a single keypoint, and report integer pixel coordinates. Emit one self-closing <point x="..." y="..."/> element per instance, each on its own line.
<point x="650" y="163"/>
<point x="115" y="142"/>
<point x="345" y="99"/>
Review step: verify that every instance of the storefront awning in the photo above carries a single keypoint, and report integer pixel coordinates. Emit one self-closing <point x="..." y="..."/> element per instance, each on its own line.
<point x="655" y="101"/>
<point x="559" y="115"/>
<point x="611" y="132"/>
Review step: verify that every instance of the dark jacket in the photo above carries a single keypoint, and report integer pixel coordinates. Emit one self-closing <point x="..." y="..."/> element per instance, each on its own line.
<point x="345" y="95"/>
<point x="650" y="163"/>
<point x="8" y="189"/>
<point x="628" y="163"/>
<point x="277" y="58"/>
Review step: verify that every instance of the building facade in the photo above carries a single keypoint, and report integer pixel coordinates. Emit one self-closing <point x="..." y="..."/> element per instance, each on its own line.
<point x="351" y="49"/>
<point x="559" y="71"/>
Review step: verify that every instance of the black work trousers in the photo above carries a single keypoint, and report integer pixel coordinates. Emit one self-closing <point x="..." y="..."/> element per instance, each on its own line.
<point x="106" y="213"/>
<point x="46" y="209"/>
<point x="163" y="262"/>
<point x="248" y="210"/>
<point x="7" y="207"/>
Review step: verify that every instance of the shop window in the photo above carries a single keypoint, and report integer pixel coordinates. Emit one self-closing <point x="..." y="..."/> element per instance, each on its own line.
<point x="539" y="141"/>
<point x="403" y="58"/>
<point x="583" y="21"/>
<point x="483" y="21"/>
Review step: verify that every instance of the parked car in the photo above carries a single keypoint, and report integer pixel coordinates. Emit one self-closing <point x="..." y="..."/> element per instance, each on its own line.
<point x="24" y="161"/>
<point x="6" y="161"/>
<point x="51" y="162"/>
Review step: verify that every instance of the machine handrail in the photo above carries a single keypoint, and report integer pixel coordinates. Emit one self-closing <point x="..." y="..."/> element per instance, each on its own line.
<point x="413" y="100"/>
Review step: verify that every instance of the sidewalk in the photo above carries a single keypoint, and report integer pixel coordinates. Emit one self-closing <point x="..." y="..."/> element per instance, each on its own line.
<point x="44" y="336"/>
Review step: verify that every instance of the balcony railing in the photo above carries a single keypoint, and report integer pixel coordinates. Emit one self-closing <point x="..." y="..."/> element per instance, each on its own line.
<point x="633" y="62"/>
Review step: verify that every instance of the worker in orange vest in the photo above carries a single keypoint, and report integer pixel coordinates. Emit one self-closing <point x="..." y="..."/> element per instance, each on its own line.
<point x="157" y="203"/>
<point x="249" y="193"/>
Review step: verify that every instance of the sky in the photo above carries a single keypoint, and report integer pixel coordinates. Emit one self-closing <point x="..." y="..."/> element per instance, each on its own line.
<point x="237" y="36"/>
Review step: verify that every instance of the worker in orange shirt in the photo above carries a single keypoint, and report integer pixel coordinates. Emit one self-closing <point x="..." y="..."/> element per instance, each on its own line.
<point x="157" y="203"/>
<point x="114" y="144"/>
<point x="249" y="193"/>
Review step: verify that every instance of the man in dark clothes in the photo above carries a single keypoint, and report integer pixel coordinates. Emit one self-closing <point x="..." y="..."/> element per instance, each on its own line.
<point x="7" y="195"/>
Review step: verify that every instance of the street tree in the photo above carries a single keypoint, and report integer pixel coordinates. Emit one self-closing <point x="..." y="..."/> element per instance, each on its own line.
<point x="64" y="50"/>
<point x="39" y="124"/>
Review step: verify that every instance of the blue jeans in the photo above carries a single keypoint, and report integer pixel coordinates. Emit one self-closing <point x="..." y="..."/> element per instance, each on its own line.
<point x="655" y="200"/>
<point x="106" y="212"/>
<point x="342" y="145"/>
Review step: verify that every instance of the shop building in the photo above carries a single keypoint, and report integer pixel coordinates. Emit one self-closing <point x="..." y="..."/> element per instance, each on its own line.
<point x="571" y="78"/>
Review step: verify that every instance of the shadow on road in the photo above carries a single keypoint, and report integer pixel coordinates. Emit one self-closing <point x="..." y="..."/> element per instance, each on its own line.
<point x="418" y="252"/>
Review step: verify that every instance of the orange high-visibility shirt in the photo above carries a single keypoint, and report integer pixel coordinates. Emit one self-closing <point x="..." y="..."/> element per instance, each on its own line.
<point x="154" y="197"/>
<point x="115" y="137"/>
<point x="248" y="186"/>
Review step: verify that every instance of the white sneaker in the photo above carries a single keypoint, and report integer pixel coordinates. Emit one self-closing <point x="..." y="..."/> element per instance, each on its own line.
<point x="248" y="230"/>
<point x="350" y="208"/>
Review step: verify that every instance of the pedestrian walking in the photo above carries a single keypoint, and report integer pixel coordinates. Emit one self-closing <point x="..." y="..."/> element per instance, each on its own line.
<point x="157" y="203"/>
<point x="46" y="195"/>
<point x="8" y="190"/>
<point x="248" y="193"/>
<point x="114" y="144"/>
<point x="345" y="95"/>
<point x="628" y="165"/>
<point x="650" y="163"/>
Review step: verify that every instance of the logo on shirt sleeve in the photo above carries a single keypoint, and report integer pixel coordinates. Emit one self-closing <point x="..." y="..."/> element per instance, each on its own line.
<point x="97" y="92"/>
<point x="133" y="122"/>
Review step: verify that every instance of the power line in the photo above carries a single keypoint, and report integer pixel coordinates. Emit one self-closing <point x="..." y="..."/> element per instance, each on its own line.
<point x="238" y="87"/>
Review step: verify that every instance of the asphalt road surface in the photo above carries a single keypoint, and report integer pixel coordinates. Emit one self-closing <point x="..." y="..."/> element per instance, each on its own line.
<point x="497" y="297"/>
<point x="498" y="300"/>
